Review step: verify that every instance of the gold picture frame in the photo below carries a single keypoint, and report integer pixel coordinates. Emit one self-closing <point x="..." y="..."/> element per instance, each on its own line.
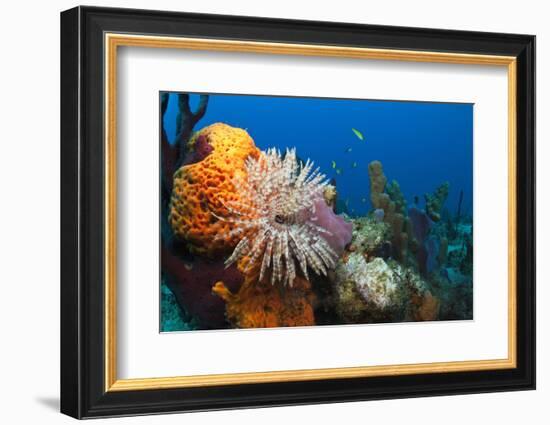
<point x="112" y="39"/>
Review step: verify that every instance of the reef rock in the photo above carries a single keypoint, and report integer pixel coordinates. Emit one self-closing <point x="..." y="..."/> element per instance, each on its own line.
<point x="380" y="291"/>
<point x="366" y="292"/>
<point x="374" y="281"/>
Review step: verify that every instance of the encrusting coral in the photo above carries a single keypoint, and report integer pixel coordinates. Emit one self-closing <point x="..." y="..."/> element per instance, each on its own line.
<point x="201" y="189"/>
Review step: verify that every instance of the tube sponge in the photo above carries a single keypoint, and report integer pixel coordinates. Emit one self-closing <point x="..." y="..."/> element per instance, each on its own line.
<point x="201" y="187"/>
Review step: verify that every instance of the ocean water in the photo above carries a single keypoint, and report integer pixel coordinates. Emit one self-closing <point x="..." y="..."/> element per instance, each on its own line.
<point x="412" y="266"/>
<point x="420" y="144"/>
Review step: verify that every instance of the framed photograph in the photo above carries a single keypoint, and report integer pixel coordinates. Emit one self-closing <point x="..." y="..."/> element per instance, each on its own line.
<point x="261" y="212"/>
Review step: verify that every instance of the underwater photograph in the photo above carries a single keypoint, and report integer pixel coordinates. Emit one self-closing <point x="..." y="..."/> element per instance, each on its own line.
<point x="283" y="211"/>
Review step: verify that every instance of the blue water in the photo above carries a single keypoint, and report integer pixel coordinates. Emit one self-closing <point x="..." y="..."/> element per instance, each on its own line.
<point x="420" y="144"/>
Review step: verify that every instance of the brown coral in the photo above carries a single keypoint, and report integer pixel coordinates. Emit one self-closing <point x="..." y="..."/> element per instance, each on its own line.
<point x="262" y="305"/>
<point x="201" y="187"/>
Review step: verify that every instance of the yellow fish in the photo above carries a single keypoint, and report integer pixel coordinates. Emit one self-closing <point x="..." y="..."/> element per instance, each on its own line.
<point x="354" y="165"/>
<point x="333" y="164"/>
<point x="348" y="150"/>
<point x="338" y="171"/>
<point x="358" y="134"/>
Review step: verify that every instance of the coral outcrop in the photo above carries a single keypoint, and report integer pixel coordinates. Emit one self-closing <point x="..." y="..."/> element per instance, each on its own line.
<point x="202" y="189"/>
<point x="375" y="280"/>
<point x="366" y="292"/>
<point x="381" y="291"/>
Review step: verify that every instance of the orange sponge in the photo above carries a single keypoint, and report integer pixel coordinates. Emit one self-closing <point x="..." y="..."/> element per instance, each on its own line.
<point x="262" y="305"/>
<point x="201" y="188"/>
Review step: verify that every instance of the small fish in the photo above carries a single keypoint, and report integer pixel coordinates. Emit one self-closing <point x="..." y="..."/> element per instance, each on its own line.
<point x="347" y="202"/>
<point x="338" y="171"/>
<point x="352" y="211"/>
<point x="348" y="150"/>
<point x="333" y="164"/>
<point x="363" y="200"/>
<point x="354" y="165"/>
<point x="358" y="134"/>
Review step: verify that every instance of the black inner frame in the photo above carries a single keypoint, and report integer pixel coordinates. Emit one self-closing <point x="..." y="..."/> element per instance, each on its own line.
<point x="82" y="207"/>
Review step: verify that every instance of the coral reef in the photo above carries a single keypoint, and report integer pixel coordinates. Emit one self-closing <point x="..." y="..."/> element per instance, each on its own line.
<point x="251" y="239"/>
<point x="262" y="305"/>
<point x="281" y="219"/>
<point x="202" y="189"/>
